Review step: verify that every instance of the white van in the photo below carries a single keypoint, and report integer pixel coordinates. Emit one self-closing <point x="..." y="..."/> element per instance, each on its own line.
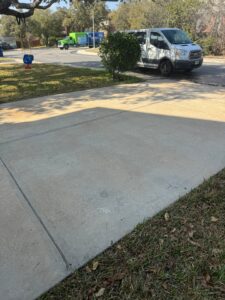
<point x="167" y="49"/>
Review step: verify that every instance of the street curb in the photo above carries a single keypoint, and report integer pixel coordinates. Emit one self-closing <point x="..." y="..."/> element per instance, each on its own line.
<point x="86" y="52"/>
<point x="214" y="59"/>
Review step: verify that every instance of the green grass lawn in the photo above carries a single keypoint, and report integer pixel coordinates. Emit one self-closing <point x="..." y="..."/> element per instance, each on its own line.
<point x="4" y="60"/>
<point x="16" y="83"/>
<point x="178" y="254"/>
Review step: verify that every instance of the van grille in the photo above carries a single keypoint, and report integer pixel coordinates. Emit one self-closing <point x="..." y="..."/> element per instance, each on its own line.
<point x="195" y="54"/>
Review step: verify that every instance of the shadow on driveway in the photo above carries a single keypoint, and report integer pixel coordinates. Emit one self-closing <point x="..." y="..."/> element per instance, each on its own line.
<point x="90" y="176"/>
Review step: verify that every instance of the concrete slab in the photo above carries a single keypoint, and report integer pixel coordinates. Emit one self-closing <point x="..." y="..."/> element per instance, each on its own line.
<point x="29" y="262"/>
<point x="94" y="164"/>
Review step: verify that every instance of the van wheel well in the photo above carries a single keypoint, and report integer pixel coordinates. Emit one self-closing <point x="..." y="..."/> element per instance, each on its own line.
<point x="165" y="67"/>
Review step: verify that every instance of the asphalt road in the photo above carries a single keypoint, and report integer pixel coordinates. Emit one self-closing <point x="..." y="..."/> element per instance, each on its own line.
<point x="56" y="56"/>
<point x="211" y="73"/>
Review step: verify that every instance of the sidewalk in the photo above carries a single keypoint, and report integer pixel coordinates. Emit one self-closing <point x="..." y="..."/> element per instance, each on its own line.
<point x="78" y="171"/>
<point x="216" y="59"/>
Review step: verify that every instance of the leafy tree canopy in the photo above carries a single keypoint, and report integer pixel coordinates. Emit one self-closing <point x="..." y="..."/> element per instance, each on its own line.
<point x="22" y="9"/>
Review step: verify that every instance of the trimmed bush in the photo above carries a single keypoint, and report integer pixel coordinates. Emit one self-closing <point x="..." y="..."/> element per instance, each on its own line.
<point x="119" y="52"/>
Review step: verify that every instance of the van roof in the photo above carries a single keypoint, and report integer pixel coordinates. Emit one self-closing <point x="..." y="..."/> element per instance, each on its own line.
<point x="158" y="29"/>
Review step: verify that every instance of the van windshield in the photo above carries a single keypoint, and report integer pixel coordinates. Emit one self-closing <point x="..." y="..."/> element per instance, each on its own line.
<point x="177" y="36"/>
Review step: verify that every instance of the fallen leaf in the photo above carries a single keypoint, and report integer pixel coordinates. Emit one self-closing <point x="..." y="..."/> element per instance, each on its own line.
<point x="88" y="270"/>
<point x="161" y="241"/>
<point x="216" y="251"/>
<point x="165" y="286"/>
<point x="191" y="234"/>
<point x="173" y="230"/>
<point x="95" y="265"/>
<point x="194" y="243"/>
<point x="214" y="219"/>
<point x="119" y="276"/>
<point x="207" y="278"/>
<point x="166" y="216"/>
<point x="152" y="270"/>
<point x="100" y="293"/>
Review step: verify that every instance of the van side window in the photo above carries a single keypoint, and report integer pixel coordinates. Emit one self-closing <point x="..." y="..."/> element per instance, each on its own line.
<point x="157" y="41"/>
<point x="141" y="37"/>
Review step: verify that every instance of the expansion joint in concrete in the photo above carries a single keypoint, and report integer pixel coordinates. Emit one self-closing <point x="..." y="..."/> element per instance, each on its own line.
<point x="68" y="266"/>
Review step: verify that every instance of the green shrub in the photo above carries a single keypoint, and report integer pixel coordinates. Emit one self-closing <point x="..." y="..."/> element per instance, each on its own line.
<point x="207" y="44"/>
<point x="52" y="41"/>
<point x="119" y="52"/>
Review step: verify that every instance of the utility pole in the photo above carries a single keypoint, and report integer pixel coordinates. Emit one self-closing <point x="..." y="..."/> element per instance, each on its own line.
<point x="93" y="25"/>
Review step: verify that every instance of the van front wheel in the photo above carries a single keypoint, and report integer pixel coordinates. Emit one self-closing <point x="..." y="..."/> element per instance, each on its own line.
<point x="165" y="68"/>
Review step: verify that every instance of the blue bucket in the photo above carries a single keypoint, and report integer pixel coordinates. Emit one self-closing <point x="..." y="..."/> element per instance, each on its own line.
<point x="28" y="59"/>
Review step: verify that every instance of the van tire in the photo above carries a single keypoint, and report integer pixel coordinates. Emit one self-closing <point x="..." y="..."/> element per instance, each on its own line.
<point x="165" y="67"/>
<point x="66" y="47"/>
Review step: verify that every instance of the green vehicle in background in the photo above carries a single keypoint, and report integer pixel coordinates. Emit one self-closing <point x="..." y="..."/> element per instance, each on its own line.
<point x="74" y="39"/>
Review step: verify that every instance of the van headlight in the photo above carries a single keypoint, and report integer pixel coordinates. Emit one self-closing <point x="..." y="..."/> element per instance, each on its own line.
<point x="180" y="53"/>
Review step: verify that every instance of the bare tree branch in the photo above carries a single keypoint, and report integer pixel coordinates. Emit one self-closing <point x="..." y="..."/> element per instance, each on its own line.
<point x="16" y="8"/>
<point x="48" y="5"/>
<point x="17" y="14"/>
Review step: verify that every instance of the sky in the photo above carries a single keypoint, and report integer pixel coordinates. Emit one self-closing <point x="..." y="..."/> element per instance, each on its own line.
<point x="112" y="5"/>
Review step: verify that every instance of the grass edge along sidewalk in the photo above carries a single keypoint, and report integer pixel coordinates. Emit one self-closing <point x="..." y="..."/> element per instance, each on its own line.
<point x="177" y="254"/>
<point x="16" y="83"/>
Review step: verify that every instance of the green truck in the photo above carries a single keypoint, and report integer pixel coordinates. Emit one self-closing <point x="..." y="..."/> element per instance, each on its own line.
<point x="74" y="39"/>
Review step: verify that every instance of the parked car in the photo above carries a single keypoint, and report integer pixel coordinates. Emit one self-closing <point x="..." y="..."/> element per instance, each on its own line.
<point x="5" y="46"/>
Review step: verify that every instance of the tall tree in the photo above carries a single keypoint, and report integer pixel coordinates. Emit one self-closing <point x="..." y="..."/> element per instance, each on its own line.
<point x="9" y="27"/>
<point x="211" y="24"/>
<point x="157" y="13"/>
<point x="80" y="15"/>
<point x="183" y="14"/>
<point x="120" y="17"/>
<point x="45" y="24"/>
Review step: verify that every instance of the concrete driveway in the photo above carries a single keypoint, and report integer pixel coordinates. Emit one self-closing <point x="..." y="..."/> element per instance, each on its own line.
<point x="78" y="171"/>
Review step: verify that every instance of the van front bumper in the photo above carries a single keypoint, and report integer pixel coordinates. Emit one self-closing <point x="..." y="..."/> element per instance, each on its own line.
<point x="187" y="64"/>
